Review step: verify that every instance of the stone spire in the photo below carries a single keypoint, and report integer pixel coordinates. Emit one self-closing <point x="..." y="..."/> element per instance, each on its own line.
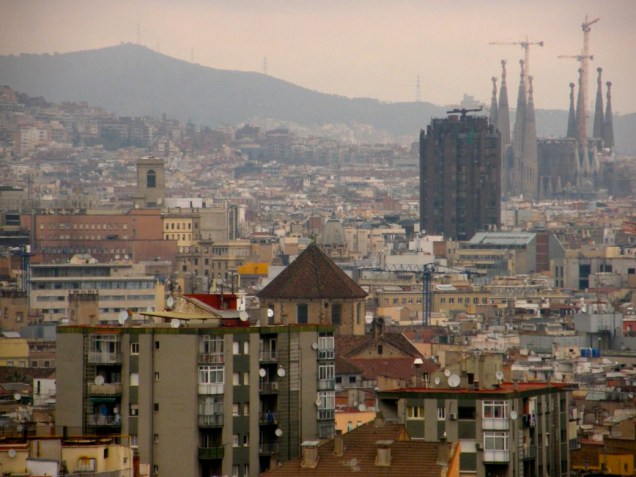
<point x="503" y="114"/>
<point x="599" y="123"/>
<point x="493" y="103"/>
<point x="518" y="136"/>
<point x="572" y="115"/>
<point x="608" y="127"/>
<point x="581" y="123"/>
<point x="530" y="165"/>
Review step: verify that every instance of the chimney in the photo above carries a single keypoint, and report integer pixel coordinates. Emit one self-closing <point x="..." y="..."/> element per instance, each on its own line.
<point x="338" y="444"/>
<point x="383" y="457"/>
<point x="443" y="452"/>
<point x="310" y="455"/>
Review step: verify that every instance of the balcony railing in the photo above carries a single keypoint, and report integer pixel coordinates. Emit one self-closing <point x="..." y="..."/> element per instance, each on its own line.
<point x="268" y="387"/>
<point x="328" y="353"/>
<point x="108" y="420"/>
<point x="211" y="420"/>
<point x="326" y="384"/>
<point x="211" y="358"/>
<point x="268" y="418"/>
<point x="325" y="414"/>
<point x="101" y="357"/>
<point x="211" y="453"/>
<point x="530" y="452"/>
<point x="216" y="388"/>
<point x="106" y="389"/>
<point x="268" y="448"/>
<point x="496" y="455"/>
<point x="499" y="424"/>
<point x="574" y="444"/>
<point x="268" y="355"/>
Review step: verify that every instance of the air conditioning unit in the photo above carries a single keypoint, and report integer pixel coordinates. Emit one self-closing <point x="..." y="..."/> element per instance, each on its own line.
<point x="274" y="386"/>
<point x="479" y="446"/>
<point x="452" y="416"/>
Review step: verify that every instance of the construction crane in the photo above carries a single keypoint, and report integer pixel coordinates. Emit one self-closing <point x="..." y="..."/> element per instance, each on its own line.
<point x="427" y="272"/>
<point x="584" y="59"/>
<point x="525" y="44"/>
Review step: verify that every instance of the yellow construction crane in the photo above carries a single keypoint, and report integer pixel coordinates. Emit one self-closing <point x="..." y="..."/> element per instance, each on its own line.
<point x="525" y="44"/>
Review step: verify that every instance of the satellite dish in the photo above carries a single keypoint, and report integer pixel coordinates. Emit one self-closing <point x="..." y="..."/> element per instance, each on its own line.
<point x="447" y="372"/>
<point x="499" y="375"/>
<point x="170" y="302"/>
<point x="243" y="315"/>
<point x="17" y="396"/>
<point x="368" y="318"/>
<point x="314" y="345"/>
<point x="19" y="428"/>
<point x="437" y="380"/>
<point x="278" y="432"/>
<point x="317" y="402"/>
<point x="123" y="316"/>
<point x="270" y="312"/>
<point x="116" y="256"/>
<point x="174" y="323"/>
<point x="362" y="407"/>
<point x="99" y="379"/>
<point x="262" y="373"/>
<point x="513" y="414"/>
<point x="12" y="453"/>
<point x="453" y="380"/>
<point x="281" y="372"/>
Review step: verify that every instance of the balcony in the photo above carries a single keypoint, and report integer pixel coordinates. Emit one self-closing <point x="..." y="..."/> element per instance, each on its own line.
<point x="268" y="355"/>
<point x="211" y="420"/>
<point x="268" y="419"/>
<point x="268" y="449"/>
<point x="211" y="453"/>
<point x="325" y="414"/>
<point x="104" y="420"/>
<point x="530" y="452"/>
<point x="214" y="388"/>
<point x="494" y="456"/>
<point x="211" y="358"/>
<point x="326" y="384"/>
<point x="102" y="357"/>
<point x="328" y="353"/>
<point x="106" y="389"/>
<point x="268" y="387"/>
<point x="495" y="424"/>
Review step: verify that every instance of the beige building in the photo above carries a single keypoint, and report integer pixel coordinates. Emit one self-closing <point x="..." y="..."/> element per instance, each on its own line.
<point x="206" y="395"/>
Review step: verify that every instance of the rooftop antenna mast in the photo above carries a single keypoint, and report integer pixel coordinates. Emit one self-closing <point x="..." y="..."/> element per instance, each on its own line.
<point x="525" y="44"/>
<point x="584" y="59"/>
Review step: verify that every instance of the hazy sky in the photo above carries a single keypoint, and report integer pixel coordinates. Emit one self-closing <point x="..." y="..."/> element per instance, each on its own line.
<point x="355" y="48"/>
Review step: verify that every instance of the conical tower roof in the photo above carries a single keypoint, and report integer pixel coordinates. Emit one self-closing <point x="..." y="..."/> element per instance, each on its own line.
<point x="599" y="122"/>
<point x="529" y="171"/>
<point x="313" y="275"/>
<point x="581" y="132"/>
<point x="503" y="113"/>
<point x="493" y="103"/>
<point x="608" y="128"/>
<point x="519" y="131"/>
<point x="572" y="115"/>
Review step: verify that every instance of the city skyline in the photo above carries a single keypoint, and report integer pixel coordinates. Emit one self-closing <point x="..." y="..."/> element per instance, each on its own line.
<point x="371" y="49"/>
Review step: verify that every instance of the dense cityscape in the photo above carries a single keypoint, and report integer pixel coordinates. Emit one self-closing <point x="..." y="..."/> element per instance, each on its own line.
<point x="265" y="298"/>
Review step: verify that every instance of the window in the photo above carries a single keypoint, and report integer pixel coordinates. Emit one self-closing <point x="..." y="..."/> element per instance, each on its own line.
<point x="441" y="413"/>
<point x="151" y="179"/>
<point x="236" y="348"/>
<point x="235" y="443"/>
<point x="302" y="311"/>
<point x="495" y="409"/>
<point x="157" y="376"/>
<point x="211" y="374"/>
<point x="134" y="409"/>
<point x="415" y="412"/>
<point x="336" y="314"/>
<point x="246" y="348"/>
<point x="156" y="438"/>
<point x="236" y="380"/>
<point x="246" y="440"/>
<point x="246" y="409"/>
<point x="134" y="348"/>
<point x="134" y="440"/>
<point x="211" y="348"/>
<point x="496" y="441"/>
<point x="235" y="409"/>
<point x="156" y="407"/>
<point x="134" y="379"/>
<point x="156" y="344"/>
<point x="246" y="378"/>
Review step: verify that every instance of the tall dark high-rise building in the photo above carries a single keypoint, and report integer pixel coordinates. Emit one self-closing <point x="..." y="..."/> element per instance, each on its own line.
<point x="460" y="183"/>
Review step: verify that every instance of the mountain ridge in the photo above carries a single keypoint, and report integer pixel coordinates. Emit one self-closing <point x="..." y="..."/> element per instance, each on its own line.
<point x="133" y="80"/>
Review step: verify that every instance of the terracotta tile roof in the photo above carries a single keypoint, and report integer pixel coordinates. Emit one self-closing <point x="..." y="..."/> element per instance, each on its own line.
<point x="401" y="368"/>
<point x="408" y="458"/>
<point x="345" y="366"/>
<point x="313" y="275"/>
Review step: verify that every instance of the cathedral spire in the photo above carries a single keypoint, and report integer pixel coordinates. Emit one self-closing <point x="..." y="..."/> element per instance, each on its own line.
<point x="581" y="126"/>
<point x="519" y="135"/>
<point x="598" y="110"/>
<point x="529" y="167"/>
<point x="493" y="103"/>
<point x="503" y="114"/>
<point x="608" y="127"/>
<point x="572" y="115"/>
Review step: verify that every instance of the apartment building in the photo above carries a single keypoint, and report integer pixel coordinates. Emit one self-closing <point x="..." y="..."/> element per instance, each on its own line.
<point x="202" y="394"/>
<point x="54" y="288"/>
<point x="509" y="429"/>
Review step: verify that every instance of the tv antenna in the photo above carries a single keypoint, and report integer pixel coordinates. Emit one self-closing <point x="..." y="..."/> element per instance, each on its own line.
<point x="464" y="111"/>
